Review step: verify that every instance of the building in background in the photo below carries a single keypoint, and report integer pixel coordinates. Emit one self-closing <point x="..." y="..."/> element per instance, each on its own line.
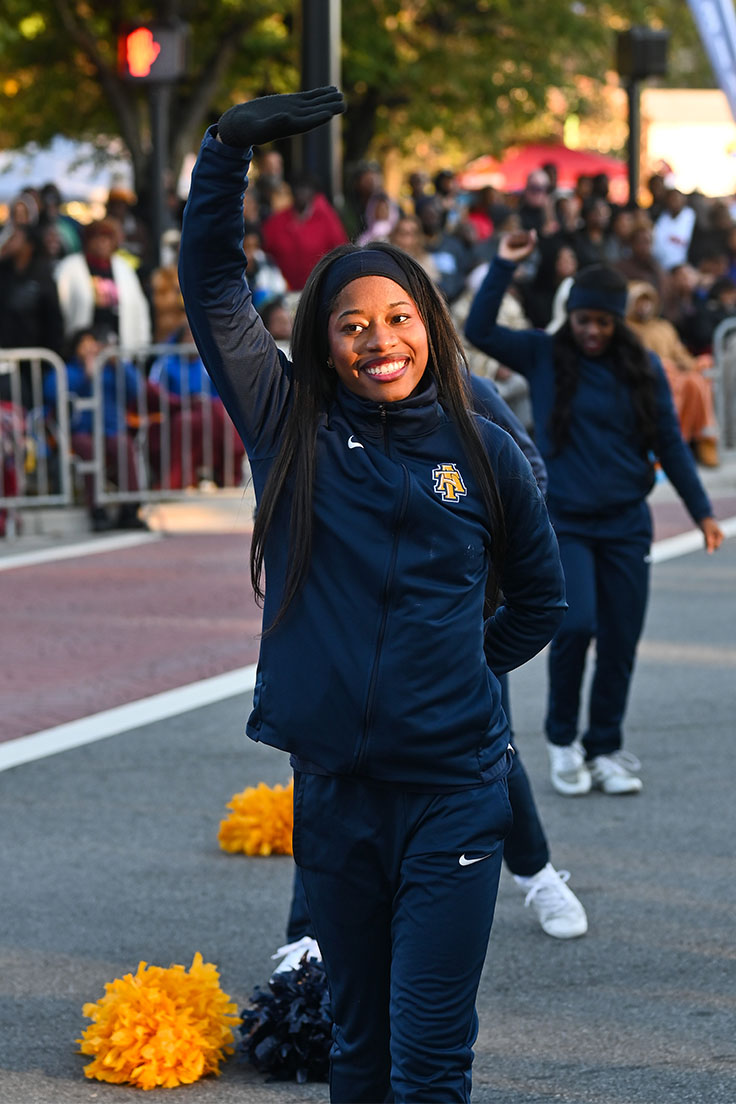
<point x="692" y="134"/>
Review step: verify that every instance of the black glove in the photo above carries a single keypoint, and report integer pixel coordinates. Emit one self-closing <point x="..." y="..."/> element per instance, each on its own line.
<point x="271" y="117"/>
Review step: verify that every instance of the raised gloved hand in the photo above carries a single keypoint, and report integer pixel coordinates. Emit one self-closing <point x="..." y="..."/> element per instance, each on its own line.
<point x="272" y="117"/>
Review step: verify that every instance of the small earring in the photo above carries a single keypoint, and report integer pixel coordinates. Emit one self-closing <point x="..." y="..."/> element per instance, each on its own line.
<point x="331" y="363"/>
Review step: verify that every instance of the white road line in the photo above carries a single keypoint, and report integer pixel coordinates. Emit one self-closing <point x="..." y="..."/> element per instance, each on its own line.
<point x="69" y="551"/>
<point x="159" y="707"/>
<point x="172" y="703"/>
<point x="684" y="543"/>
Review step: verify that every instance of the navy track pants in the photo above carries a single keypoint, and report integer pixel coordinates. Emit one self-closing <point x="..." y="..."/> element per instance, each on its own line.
<point x="401" y="889"/>
<point x="525" y="849"/>
<point x="606" y="565"/>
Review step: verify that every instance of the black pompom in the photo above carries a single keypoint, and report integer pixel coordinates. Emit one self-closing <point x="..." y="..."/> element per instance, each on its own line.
<point x="287" y="1033"/>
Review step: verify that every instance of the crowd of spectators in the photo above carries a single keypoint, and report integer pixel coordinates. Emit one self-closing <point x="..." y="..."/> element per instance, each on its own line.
<point x="681" y="247"/>
<point x="676" y="252"/>
<point x="60" y="278"/>
<point x="78" y="289"/>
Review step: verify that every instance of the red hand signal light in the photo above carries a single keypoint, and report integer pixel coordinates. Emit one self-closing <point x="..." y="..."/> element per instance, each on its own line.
<point x="141" y="50"/>
<point x="152" y="53"/>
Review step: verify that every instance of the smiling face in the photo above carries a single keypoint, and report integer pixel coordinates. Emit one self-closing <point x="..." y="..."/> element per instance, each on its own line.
<point x="592" y="330"/>
<point x="377" y="339"/>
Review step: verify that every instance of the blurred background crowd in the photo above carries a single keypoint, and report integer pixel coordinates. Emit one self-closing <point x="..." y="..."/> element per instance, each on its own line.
<point x="62" y="281"/>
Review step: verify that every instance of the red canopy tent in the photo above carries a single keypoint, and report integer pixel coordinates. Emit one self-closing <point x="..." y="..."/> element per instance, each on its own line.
<point x="510" y="173"/>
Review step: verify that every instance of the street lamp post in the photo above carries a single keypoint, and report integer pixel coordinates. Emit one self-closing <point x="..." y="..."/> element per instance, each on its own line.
<point x="320" y="148"/>
<point x="633" y="147"/>
<point x="641" y="53"/>
<point x="160" y="100"/>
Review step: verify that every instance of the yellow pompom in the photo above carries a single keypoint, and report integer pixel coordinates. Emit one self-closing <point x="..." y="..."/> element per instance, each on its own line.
<point x="160" y="1027"/>
<point x="261" y="821"/>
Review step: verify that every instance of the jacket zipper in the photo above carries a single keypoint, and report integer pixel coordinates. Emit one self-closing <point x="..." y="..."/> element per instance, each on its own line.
<point x="387" y="590"/>
<point x="384" y="424"/>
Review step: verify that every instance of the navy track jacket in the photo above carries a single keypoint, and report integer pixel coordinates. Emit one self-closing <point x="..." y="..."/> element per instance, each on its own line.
<point x="382" y="666"/>
<point x="488" y="402"/>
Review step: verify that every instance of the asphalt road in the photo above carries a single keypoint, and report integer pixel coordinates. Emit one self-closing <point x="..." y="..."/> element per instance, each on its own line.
<point x="110" y="856"/>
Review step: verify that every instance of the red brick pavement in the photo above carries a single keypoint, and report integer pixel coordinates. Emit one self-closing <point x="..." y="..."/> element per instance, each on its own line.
<point x="671" y="518"/>
<point x="87" y="634"/>
<point x="90" y="633"/>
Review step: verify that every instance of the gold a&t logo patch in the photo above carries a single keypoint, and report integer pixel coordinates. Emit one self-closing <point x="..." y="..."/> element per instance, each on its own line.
<point x="448" y="483"/>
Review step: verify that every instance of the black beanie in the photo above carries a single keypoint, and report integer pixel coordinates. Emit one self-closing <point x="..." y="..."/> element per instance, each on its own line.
<point x="598" y="287"/>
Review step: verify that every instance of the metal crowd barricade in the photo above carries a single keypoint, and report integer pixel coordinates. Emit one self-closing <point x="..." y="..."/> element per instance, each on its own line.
<point x="157" y="437"/>
<point x="724" y="379"/>
<point x="35" y="452"/>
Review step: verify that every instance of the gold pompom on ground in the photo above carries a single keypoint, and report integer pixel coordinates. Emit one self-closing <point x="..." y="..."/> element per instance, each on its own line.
<point x="261" y="821"/>
<point x="160" y="1027"/>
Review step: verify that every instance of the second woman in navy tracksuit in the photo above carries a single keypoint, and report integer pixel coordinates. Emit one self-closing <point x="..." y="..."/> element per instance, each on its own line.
<point x="602" y="411"/>
<point x="384" y="509"/>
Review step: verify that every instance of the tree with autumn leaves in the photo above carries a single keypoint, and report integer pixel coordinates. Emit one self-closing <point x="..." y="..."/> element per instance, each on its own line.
<point x="473" y="73"/>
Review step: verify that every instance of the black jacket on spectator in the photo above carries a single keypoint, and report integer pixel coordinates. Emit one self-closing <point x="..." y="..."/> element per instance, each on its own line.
<point x="29" y="316"/>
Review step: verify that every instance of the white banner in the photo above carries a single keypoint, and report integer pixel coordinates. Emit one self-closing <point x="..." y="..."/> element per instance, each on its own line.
<point x="716" y="24"/>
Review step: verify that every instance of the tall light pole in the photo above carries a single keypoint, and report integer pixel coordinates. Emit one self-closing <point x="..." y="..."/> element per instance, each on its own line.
<point x="321" y="39"/>
<point x="640" y="52"/>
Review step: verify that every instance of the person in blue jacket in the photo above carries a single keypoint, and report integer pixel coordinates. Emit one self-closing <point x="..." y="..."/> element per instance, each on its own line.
<point x="526" y="850"/>
<point x="602" y="412"/>
<point x="214" y="450"/>
<point x="388" y="521"/>
<point x="121" y="383"/>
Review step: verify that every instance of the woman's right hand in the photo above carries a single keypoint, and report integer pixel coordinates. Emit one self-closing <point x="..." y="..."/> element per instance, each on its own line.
<point x="270" y="117"/>
<point x="517" y="245"/>
<point x="714" y="535"/>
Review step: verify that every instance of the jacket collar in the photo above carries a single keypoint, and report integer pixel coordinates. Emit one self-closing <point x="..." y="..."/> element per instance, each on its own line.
<point x="417" y="414"/>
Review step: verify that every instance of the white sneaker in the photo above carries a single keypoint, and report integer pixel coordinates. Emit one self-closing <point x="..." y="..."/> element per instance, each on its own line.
<point x="615" y="773"/>
<point x="567" y="769"/>
<point x="558" y="909"/>
<point x="306" y="948"/>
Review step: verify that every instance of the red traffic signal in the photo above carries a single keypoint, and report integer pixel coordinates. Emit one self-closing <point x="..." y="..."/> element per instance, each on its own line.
<point x="152" y="52"/>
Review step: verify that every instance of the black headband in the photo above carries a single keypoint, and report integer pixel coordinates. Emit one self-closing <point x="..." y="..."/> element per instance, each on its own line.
<point x="365" y="262"/>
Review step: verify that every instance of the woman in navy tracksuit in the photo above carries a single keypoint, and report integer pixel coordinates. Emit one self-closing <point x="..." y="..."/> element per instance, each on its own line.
<point x="525" y="851"/>
<point x="602" y="411"/>
<point x="384" y="509"/>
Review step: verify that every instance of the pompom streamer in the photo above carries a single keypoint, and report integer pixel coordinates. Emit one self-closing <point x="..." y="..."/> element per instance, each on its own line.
<point x="287" y="1031"/>
<point x="160" y="1027"/>
<point x="261" y="821"/>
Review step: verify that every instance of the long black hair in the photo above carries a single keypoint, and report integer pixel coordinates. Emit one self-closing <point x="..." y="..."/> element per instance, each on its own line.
<point x="626" y="354"/>
<point x="314" y="386"/>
